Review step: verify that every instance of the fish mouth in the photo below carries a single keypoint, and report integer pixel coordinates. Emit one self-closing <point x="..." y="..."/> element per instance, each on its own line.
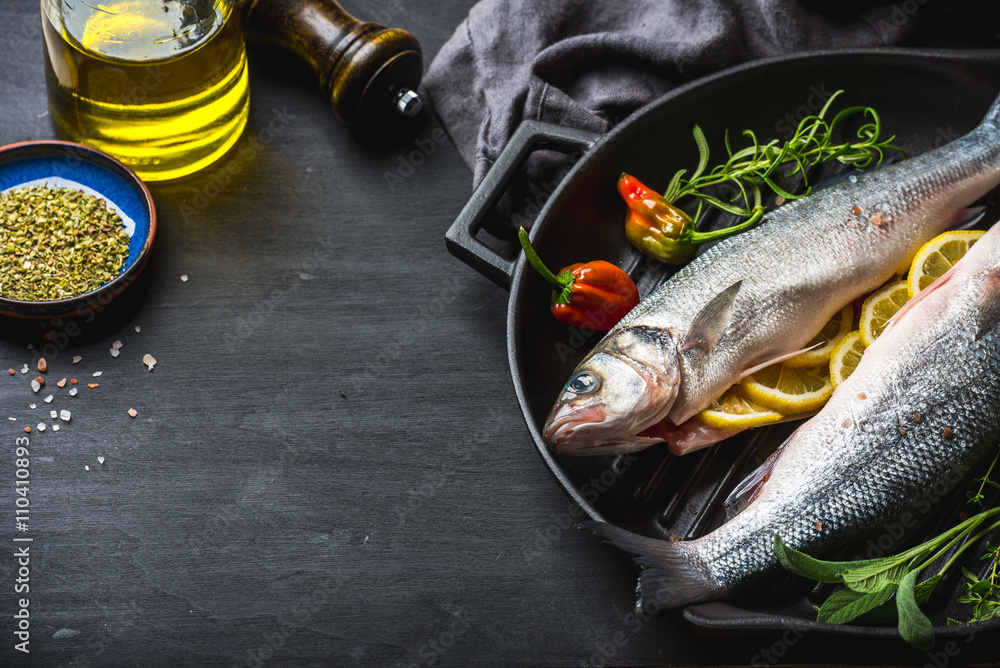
<point x="564" y="426"/>
<point x="578" y="432"/>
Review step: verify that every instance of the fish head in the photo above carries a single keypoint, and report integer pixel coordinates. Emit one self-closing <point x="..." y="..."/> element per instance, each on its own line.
<point x="628" y="383"/>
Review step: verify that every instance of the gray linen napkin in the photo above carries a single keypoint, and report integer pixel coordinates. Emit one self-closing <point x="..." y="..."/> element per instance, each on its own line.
<point x="589" y="63"/>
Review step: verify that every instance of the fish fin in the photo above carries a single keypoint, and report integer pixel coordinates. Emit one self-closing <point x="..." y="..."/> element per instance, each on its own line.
<point x="993" y="115"/>
<point x="967" y="217"/>
<point x="751" y="486"/>
<point x="919" y="297"/>
<point x="780" y="358"/>
<point x="989" y="310"/>
<point x="684" y="443"/>
<point x="711" y="322"/>
<point x="672" y="574"/>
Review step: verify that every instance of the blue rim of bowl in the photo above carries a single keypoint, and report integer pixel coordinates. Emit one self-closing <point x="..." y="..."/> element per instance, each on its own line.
<point x="100" y="297"/>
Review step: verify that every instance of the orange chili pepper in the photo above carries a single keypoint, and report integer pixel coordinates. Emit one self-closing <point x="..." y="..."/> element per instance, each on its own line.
<point x="654" y="226"/>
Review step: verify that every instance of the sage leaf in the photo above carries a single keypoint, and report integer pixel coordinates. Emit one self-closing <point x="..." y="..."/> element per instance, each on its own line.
<point x="873" y="577"/>
<point x="845" y="606"/>
<point x="914" y="625"/>
<point x="806" y="566"/>
<point x="887" y="612"/>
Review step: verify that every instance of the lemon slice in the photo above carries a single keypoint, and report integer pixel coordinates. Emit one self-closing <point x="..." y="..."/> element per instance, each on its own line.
<point x="734" y="411"/>
<point x="832" y="333"/>
<point x="788" y="390"/>
<point x="879" y="307"/>
<point x="845" y="357"/>
<point x="938" y="256"/>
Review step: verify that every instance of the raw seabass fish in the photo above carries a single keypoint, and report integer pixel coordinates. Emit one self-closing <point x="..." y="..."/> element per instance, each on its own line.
<point x="922" y="407"/>
<point x="759" y="297"/>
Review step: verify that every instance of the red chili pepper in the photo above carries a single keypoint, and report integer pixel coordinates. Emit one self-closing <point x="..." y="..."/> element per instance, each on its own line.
<point x="595" y="294"/>
<point x="661" y="230"/>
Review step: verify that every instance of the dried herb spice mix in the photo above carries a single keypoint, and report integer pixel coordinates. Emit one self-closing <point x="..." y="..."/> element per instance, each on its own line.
<point x="57" y="243"/>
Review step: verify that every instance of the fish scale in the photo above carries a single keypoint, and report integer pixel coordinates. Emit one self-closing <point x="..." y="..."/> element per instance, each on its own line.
<point x="934" y="374"/>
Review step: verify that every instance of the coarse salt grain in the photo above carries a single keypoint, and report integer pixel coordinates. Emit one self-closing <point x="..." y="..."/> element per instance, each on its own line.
<point x="132" y="412"/>
<point x="97" y="373"/>
<point x="48" y="399"/>
<point x="117" y="345"/>
<point x="31" y="406"/>
<point x="149" y="361"/>
<point x="100" y="460"/>
<point x="24" y="369"/>
<point x="55" y="427"/>
<point x="77" y="359"/>
<point x="115" y="352"/>
<point x="184" y="277"/>
<point x="86" y="468"/>
<point x="41" y="426"/>
<point x="137" y="328"/>
<point x="61" y="383"/>
<point x="64" y="415"/>
<point x="35" y="386"/>
<point x="72" y="391"/>
<point x="54" y="414"/>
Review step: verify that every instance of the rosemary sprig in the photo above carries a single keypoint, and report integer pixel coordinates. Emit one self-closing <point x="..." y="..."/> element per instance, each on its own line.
<point x="775" y="163"/>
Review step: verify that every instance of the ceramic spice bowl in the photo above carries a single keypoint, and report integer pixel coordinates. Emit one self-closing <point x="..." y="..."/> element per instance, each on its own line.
<point x="64" y="164"/>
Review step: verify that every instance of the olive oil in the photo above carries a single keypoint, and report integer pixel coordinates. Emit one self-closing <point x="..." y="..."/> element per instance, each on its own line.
<point x="160" y="84"/>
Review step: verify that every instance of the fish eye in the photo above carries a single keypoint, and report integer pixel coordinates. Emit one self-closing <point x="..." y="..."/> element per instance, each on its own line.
<point x="583" y="383"/>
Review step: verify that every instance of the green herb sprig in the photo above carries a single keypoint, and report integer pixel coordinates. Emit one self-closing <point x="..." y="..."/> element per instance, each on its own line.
<point x="775" y="163"/>
<point x="984" y="595"/>
<point x="984" y="482"/>
<point x="889" y="589"/>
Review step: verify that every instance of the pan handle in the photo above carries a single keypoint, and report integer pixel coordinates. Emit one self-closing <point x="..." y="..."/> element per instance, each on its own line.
<point x="461" y="236"/>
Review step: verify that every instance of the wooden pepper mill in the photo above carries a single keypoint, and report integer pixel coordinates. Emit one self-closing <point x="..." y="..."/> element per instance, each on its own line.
<point x="370" y="73"/>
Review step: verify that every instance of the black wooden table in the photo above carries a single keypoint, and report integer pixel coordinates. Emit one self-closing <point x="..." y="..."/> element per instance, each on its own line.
<point x="327" y="466"/>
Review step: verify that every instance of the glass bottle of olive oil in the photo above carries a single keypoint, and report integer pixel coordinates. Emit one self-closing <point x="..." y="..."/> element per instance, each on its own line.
<point x="160" y="84"/>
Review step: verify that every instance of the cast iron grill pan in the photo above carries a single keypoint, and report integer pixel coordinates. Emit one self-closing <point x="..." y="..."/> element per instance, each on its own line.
<point x="926" y="98"/>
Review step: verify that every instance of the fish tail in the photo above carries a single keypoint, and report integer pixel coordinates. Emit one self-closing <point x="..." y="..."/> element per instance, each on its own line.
<point x="673" y="574"/>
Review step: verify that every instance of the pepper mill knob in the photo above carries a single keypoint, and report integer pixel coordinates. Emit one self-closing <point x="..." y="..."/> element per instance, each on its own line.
<point x="369" y="72"/>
